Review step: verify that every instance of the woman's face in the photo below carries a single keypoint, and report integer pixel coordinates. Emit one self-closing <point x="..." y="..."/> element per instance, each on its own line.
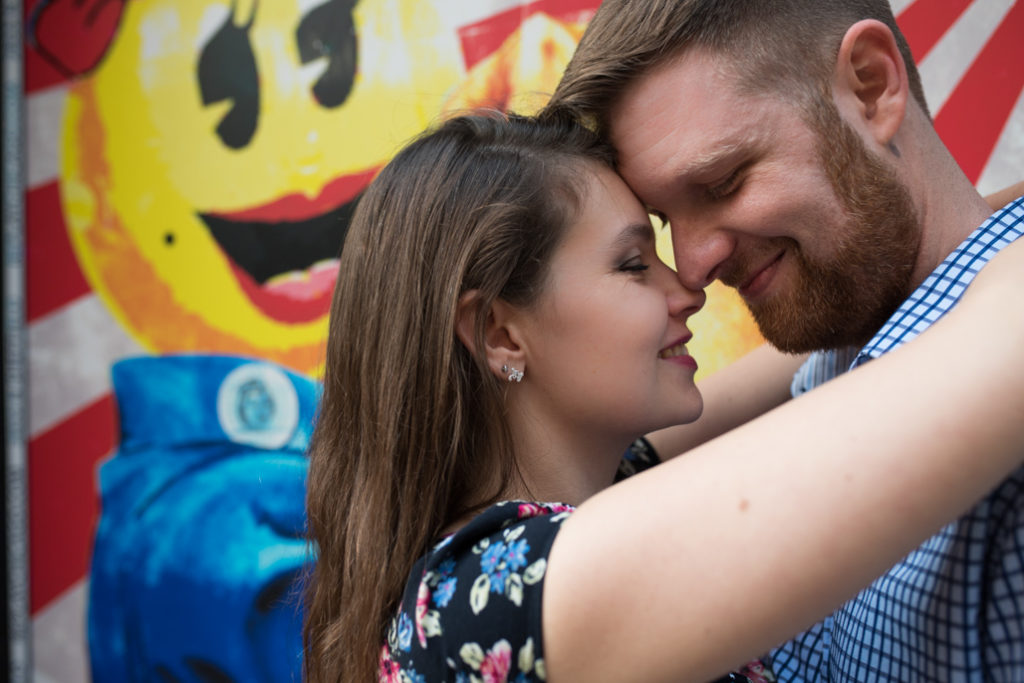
<point x="605" y="342"/>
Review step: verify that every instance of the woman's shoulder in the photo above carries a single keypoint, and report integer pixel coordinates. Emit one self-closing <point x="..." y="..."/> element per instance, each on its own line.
<point x="471" y="608"/>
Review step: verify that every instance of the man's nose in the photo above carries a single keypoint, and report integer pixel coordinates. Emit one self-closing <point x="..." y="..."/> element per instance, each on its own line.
<point x="683" y="301"/>
<point x="699" y="250"/>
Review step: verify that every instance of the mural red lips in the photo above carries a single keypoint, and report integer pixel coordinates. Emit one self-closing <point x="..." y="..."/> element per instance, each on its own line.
<point x="284" y="253"/>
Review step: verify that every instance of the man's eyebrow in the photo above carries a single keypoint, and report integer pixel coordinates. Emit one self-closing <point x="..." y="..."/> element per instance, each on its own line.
<point x="701" y="164"/>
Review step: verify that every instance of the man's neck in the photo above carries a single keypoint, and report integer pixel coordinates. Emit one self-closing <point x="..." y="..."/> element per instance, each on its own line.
<point x="950" y="209"/>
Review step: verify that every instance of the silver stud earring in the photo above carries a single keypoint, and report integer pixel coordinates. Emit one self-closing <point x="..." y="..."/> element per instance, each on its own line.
<point x="513" y="374"/>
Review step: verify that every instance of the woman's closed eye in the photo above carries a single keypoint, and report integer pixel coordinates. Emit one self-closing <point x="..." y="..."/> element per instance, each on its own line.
<point x="635" y="264"/>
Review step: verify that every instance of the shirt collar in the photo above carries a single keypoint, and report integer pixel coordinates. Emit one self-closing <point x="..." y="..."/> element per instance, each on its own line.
<point x="943" y="288"/>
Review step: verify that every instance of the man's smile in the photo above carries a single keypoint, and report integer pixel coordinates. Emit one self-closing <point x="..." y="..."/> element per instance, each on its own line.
<point x="758" y="279"/>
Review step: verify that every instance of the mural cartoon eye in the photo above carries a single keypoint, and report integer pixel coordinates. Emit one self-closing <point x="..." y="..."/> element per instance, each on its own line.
<point x="329" y="31"/>
<point x="227" y="71"/>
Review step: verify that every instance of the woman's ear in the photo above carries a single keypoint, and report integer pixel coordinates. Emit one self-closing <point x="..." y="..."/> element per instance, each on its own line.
<point x="465" y="319"/>
<point x="871" y="84"/>
<point x="501" y="345"/>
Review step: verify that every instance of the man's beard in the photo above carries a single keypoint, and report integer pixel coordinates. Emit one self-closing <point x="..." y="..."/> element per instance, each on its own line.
<point x="843" y="300"/>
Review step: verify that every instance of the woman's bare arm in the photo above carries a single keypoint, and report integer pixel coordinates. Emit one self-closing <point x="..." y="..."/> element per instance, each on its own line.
<point x="757" y="534"/>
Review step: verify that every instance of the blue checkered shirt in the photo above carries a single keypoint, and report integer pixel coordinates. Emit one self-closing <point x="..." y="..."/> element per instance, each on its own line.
<point x="953" y="609"/>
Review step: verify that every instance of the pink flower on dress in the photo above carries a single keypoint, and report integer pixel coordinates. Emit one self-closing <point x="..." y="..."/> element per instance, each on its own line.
<point x="389" y="671"/>
<point x="422" y="600"/>
<point x="536" y="509"/>
<point x="757" y="672"/>
<point x="495" y="666"/>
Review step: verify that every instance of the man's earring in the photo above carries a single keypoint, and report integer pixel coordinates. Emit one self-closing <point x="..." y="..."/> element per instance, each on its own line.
<point x="513" y="374"/>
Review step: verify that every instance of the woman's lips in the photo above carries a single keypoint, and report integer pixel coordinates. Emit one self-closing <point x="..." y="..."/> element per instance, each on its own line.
<point x="685" y="361"/>
<point x="677" y="353"/>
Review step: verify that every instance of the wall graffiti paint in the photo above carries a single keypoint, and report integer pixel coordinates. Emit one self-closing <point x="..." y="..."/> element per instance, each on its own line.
<point x="164" y="164"/>
<point x="130" y="159"/>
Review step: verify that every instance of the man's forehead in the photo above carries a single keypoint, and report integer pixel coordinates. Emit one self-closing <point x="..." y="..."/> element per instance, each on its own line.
<point x="685" y="115"/>
<point x="675" y="144"/>
<point x="679" y="83"/>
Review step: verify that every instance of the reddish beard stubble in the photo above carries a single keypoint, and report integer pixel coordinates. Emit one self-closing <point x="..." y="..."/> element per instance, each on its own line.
<point x="843" y="300"/>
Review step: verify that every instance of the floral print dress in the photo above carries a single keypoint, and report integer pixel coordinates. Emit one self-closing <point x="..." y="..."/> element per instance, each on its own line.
<point x="471" y="611"/>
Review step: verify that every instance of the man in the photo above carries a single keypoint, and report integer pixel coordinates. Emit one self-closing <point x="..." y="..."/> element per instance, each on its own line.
<point x="790" y="148"/>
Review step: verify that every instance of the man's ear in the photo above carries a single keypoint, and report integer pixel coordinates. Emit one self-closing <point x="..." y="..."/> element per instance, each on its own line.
<point x="501" y="340"/>
<point x="871" y="80"/>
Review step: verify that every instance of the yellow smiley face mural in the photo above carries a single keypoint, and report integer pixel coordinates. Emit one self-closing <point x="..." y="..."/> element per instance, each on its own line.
<point x="211" y="161"/>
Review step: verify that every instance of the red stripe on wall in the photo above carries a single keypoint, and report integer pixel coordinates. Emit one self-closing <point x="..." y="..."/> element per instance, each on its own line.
<point x="64" y="498"/>
<point x="54" y="277"/>
<point x="39" y="74"/>
<point x="975" y="114"/>
<point x="925" y="22"/>
<point x="481" y="39"/>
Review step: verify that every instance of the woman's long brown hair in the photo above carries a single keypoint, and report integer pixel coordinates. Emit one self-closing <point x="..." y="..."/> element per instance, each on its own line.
<point x="411" y="433"/>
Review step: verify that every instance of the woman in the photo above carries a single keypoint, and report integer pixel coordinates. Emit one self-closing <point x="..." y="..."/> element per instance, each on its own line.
<point x="501" y="331"/>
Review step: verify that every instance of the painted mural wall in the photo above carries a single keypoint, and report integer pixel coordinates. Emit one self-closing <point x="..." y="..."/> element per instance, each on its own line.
<point x="191" y="168"/>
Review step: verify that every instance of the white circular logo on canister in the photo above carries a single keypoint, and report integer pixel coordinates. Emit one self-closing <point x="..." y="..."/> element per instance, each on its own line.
<point x="257" y="405"/>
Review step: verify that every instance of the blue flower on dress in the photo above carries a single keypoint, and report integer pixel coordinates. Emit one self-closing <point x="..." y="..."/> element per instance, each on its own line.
<point x="492" y="557"/>
<point x="462" y="677"/>
<point x="415" y="677"/>
<point x="515" y="556"/>
<point x="444" y="592"/>
<point x="404" y="632"/>
<point x="446" y="568"/>
<point x="498" y="578"/>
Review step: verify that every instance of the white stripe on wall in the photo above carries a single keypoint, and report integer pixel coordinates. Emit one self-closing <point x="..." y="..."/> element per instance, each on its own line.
<point x="900" y="5"/>
<point x="1006" y="166"/>
<point x="953" y="55"/>
<point x="43" y="113"/>
<point x="59" y="638"/>
<point x="70" y="354"/>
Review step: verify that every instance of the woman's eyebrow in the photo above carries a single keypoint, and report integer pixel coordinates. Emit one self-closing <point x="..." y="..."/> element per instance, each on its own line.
<point x="634" y="231"/>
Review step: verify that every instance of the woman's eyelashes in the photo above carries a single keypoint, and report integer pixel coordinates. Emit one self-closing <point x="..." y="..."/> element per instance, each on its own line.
<point x="635" y="264"/>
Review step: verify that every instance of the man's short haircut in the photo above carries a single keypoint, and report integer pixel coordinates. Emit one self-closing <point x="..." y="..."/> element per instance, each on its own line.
<point x="784" y="47"/>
